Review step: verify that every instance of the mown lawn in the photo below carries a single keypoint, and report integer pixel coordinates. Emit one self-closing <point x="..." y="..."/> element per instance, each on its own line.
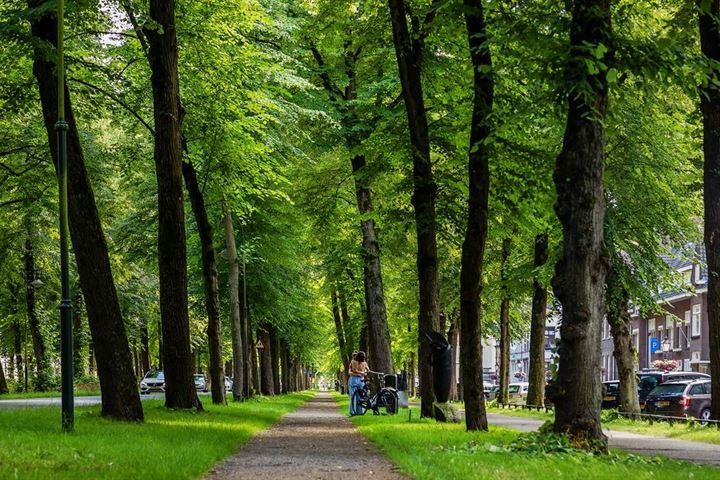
<point x="425" y="449"/>
<point x="169" y="445"/>
<point x="692" y="432"/>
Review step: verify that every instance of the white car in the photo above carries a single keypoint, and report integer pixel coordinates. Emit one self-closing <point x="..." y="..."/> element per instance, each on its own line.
<point x="517" y="393"/>
<point x="228" y="384"/>
<point x="153" y="381"/>
<point x="200" y="382"/>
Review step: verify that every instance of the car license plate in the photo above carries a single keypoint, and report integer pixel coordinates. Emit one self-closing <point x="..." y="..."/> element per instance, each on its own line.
<point x="662" y="404"/>
<point x="608" y="399"/>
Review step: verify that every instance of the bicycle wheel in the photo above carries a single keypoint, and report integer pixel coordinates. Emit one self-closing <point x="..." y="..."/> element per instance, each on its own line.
<point x="359" y="401"/>
<point x="389" y="398"/>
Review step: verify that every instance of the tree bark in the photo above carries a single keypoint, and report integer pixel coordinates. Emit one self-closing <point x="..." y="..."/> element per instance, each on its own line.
<point x="78" y="336"/>
<point x="579" y="280"/>
<point x="254" y="361"/>
<point x="172" y="251"/>
<point x="340" y="333"/>
<point x="275" y="358"/>
<point x="266" y="374"/>
<point x="284" y="365"/>
<point x="234" y="302"/>
<point x="144" y="345"/>
<point x="536" y="369"/>
<point x="624" y="351"/>
<point x="244" y="339"/>
<point x="408" y="51"/>
<point x="210" y="283"/>
<point x="16" y="330"/>
<point x="120" y="395"/>
<point x="710" y="107"/>
<point x="503" y="394"/>
<point x="453" y="339"/>
<point x="473" y="249"/>
<point x="3" y="381"/>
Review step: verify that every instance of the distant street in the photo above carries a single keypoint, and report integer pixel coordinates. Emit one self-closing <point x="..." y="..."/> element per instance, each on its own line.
<point x="55" y="401"/>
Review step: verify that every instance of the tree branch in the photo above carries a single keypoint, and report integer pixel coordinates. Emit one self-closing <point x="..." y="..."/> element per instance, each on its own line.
<point x="117" y="100"/>
<point x="324" y="76"/>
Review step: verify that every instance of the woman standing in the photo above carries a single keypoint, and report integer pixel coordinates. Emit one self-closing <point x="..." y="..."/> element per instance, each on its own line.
<point x="358" y="370"/>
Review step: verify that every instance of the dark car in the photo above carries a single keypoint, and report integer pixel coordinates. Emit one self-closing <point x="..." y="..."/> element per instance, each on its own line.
<point x="686" y="398"/>
<point x="611" y="394"/>
<point x="649" y="379"/>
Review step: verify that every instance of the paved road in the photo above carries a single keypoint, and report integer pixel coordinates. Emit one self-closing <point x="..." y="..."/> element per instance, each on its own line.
<point x="697" y="452"/>
<point x="55" y="401"/>
<point x="314" y="442"/>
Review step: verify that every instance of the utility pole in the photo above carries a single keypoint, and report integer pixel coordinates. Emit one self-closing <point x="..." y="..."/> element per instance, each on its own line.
<point x="66" y="346"/>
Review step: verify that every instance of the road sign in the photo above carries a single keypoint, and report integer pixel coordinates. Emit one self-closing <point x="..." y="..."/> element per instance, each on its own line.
<point x="654" y="345"/>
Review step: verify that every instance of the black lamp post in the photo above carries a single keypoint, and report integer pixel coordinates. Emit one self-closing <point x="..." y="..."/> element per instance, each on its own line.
<point x="61" y="127"/>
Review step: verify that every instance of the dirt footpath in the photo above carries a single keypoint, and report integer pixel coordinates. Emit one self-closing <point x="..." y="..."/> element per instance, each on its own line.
<point x="314" y="442"/>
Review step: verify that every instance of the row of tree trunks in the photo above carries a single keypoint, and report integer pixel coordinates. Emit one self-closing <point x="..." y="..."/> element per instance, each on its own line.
<point x="536" y="368"/>
<point x="120" y="396"/>
<point x="234" y="303"/>
<point x="710" y="107"/>
<point x="473" y="249"/>
<point x="172" y="251"/>
<point x="579" y="281"/>
<point x="408" y="51"/>
<point x="210" y="283"/>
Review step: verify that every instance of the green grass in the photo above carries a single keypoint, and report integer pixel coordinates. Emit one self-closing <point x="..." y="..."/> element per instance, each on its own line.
<point x="21" y="395"/>
<point x="425" y="449"/>
<point x="169" y="445"/>
<point x="691" y="432"/>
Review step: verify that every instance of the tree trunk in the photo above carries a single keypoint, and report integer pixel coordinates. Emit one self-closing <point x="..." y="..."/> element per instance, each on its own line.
<point x="473" y="249"/>
<point x="38" y="342"/>
<point x="536" y="370"/>
<point x="144" y="345"/>
<point x="284" y="364"/>
<point x="275" y="358"/>
<point x="16" y="330"/>
<point x="254" y="361"/>
<point x="579" y="280"/>
<point x="210" y="283"/>
<point x="624" y="352"/>
<point x="234" y="302"/>
<point x="408" y="53"/>
<point x="172" y="252"/>
<point x="453" y="338"/>
<point x="78" y="336"/>
<point x="292" y="379"/>
<point x="411" y="380"/>
<point x="244" y="339"/>
<point x="3" y="381"/>
<point x="120" y="395"/>
<point x="710" y="107"/>
<point x="266" y="374"/>
<point x="503" y="394"/>
<point x="340" y="332"/>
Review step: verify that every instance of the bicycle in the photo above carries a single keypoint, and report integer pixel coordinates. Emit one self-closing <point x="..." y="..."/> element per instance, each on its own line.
<point x="386" y="397"/>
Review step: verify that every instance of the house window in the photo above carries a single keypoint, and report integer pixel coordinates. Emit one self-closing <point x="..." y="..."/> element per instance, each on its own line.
<point x="687" y="277"/>
<point x="651" y="325"/>
<point x="678" y="343"/>
<point x="696" y="318"/>
<point x="688" y="321"/>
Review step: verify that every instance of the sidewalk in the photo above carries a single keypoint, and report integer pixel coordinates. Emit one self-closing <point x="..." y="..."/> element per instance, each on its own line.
<point x="696" y="452"/>
<point x="314" y="442"/>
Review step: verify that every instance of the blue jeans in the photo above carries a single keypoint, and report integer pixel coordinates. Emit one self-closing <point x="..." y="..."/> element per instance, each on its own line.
<point x="353" y="384"/>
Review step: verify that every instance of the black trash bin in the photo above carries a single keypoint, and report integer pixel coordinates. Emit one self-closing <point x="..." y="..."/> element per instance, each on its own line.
<point x="441" y="361"/>
<point x="391" y="381"/>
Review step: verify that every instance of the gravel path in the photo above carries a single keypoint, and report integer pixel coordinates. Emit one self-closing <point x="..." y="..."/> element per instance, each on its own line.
<point x="314" y="442"/>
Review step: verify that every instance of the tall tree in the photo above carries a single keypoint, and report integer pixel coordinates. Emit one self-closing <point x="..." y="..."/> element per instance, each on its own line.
<point x="38" y="341"/>
<point x="579" y="280"/>
<point x="710" y="107"/>
<point x="473" y="249"/>
<point x="234" y="303"/>
<point x="408" y="51"/>
<point x="120" y="396"/>
<point x="161" y="37"/>
<point x="536" y="367"/>
<point x="504" y="393"/>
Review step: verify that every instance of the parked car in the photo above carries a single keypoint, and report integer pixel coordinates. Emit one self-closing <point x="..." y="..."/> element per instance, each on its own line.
<point x="487" y="388"/>
<point x="611" y="393"/>
<point x="228" y="384"/>
<point x="685" y="398"/>
<point x="517" y="392"/>
<point x="153" y="381"/>
<point x="201" y="382"/>
<point x="649" y="379"/>
<point x="492" y="393"/>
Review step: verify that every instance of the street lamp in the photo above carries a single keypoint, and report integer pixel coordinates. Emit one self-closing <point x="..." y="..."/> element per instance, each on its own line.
<point x="61" y="127"/>
<point x="665" y="347"/>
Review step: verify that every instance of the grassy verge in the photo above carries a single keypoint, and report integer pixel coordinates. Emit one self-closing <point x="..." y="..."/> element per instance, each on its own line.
<point x="425" y="449"/>
<point x="691" y="432"/>
<point x="22" y="395"/>
<point x="169" y="445"/>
